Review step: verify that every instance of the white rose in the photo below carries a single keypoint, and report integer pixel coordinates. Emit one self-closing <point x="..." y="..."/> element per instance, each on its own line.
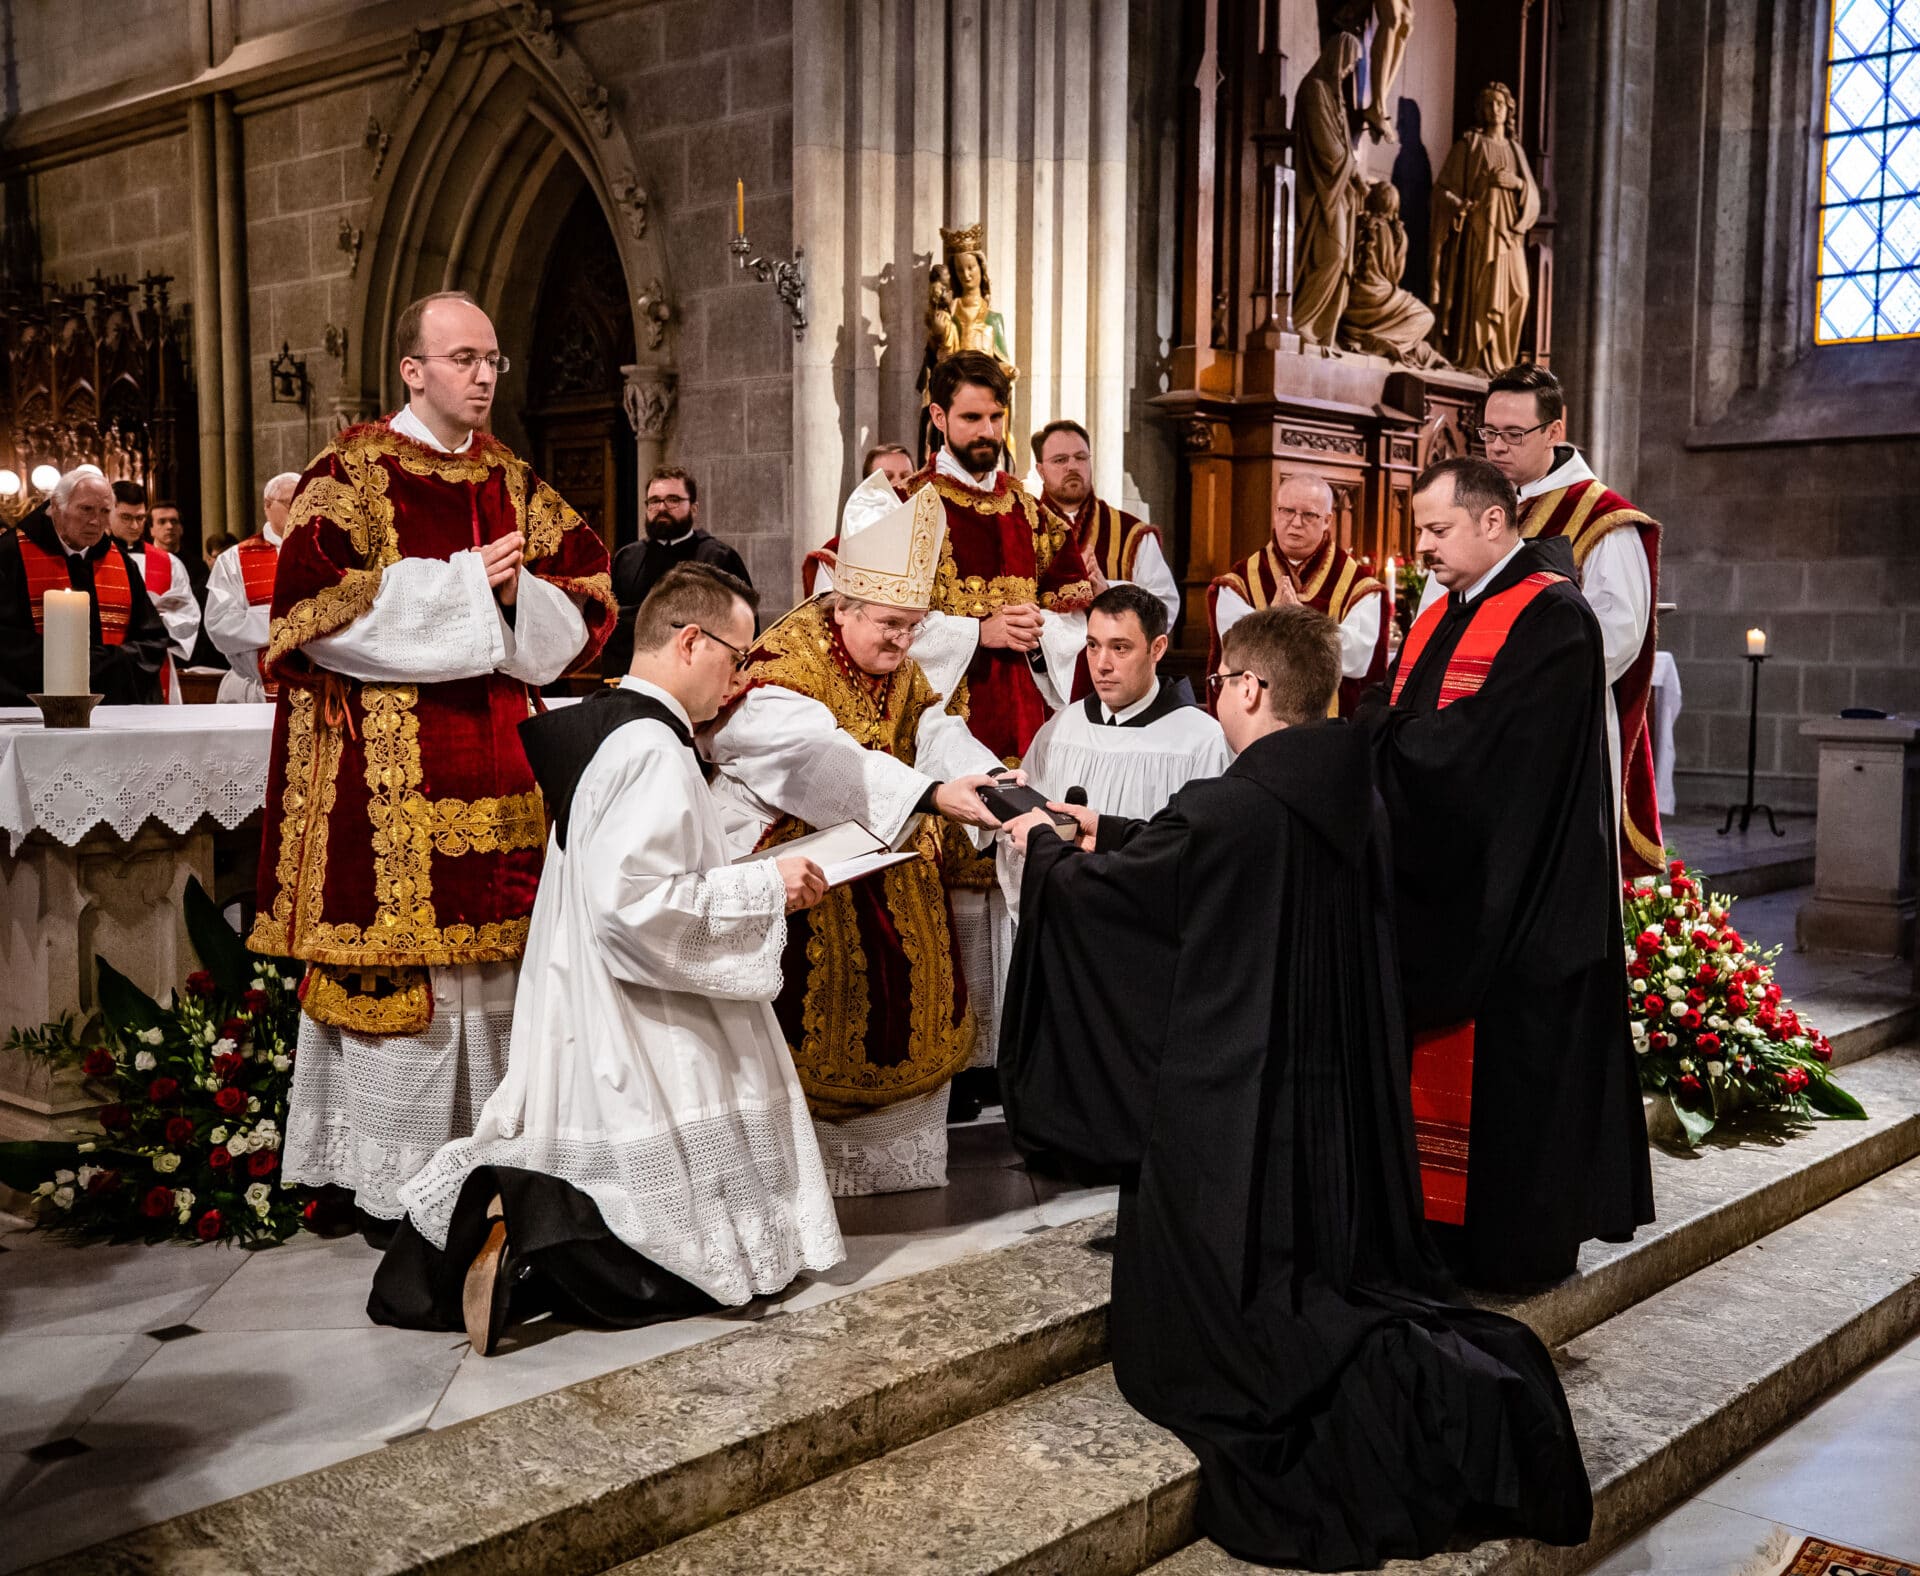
<point x="258" y="1194"/>
<point x="87" y="1174"/>
<point x="165" y="1163"/>
<point x="1674" y="949"/>
<point x="184" y="1200"/>
<point x="143" y="1062"/>
<point x="259" y="983"/>
<point x="63" y="1196"/>
<point x="1641" y="1046"/>
<point x="1686" y="1064"/>
<point x="224" y="1047"/>
<point x="1639" y="986"/>
<point x="152" y="1036"/>
<point x="1743" y="1026"/>
<point x="218" y="1135"/>
<point x="44" y="1190"/>
<point x="63" y="1176"/>
<point x="206" y="1035"/>
<point x="267" y="1124"/>
<point x="182" y="1212"/>
<point x="237" y="1145"/>
<point x="1675" y="972"/>
<point x="1715" y="1069"/>
<point x="282" y="1063"/>
<point x="253" y="1105"/>
<point x="1675" y="993"/>
<point x="1666" y="891"/>
<point x="1647" y="883"/>
<point x="87" y="1148"/>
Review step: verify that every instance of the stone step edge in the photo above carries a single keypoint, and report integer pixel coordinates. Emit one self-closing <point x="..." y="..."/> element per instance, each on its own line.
<point x="1122" y="1498"/>
<point x="598" y="1471"/>
<point x="1893" y="1025"/>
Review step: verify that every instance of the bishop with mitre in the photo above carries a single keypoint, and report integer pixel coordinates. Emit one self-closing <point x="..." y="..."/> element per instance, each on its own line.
<point x="837" y="724"/>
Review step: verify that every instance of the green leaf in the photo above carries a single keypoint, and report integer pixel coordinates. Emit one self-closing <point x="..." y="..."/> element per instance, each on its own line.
<point x="1829" y="1099"/>
<point x="220" y="950"/>
<point x="1696" y="1124"/>
<point x="126" y="1007"/>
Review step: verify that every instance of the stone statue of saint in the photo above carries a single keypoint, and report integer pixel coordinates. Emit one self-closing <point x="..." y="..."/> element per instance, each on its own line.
<point x="1484" y="203"/>
<point x="1382" y="318"/>
<point x="960" y="314"/>
<point x="1330" y="192"/>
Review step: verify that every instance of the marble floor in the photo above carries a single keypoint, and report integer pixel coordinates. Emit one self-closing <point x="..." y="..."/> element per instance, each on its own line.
<point x="1845" y="1472"/>
<point x="137" y="1383"/>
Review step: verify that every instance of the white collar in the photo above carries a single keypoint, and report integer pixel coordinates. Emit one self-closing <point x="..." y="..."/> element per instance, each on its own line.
<point x="648" y="536"/>
<point x="1486" y="580"/>
<point x="410" y="425"/>
<point x="269" y="533"/>
<point x="947" y="465"/>
<point x="648" y="688"/>
<point x="1135" y="709"/>
<point x="1565" y="473"/>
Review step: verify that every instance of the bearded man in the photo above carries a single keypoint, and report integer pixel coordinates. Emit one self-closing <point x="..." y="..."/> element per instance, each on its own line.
<point x="429" y="583"/>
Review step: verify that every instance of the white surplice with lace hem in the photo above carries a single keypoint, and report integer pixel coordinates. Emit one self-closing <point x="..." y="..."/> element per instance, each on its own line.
<point x="647" y="1068"/>
<point x="367" y="1111"/>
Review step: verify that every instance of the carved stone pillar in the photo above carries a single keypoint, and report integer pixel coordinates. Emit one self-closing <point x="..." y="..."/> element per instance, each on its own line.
<point x="649" y="400"/>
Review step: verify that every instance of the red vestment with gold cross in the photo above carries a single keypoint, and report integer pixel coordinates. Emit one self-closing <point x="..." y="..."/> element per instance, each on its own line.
<point x="1584" y="512"/>
<point x="404" y="829"/>
<point x="1331" y="581"/>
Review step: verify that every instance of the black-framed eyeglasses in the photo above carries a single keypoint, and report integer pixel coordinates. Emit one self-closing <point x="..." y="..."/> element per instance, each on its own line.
<point x="1216" y="682"/>
<point x="654" y="498"/>
<point x="739" y="656"/>
<point x="1509" y="436"/>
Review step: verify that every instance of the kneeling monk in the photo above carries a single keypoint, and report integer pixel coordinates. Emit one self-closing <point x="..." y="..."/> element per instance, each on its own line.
<point x="1206" y="1005"/>
<point x="837" y="723"/>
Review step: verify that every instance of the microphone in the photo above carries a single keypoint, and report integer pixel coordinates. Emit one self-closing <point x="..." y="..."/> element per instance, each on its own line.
<point x="1075" y="795"/>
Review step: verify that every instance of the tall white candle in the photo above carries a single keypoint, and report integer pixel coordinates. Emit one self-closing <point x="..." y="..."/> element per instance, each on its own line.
<point x="1393" y="585"/>
<point x="69" y="618"/>
<point x="1756" y="642"/>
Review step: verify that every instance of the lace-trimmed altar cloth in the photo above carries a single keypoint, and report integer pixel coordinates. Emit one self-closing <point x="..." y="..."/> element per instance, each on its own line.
<point x="172" y="764"/>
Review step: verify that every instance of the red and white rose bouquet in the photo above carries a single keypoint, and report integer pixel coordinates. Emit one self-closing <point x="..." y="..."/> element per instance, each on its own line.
<point x="1713" y="1032"/>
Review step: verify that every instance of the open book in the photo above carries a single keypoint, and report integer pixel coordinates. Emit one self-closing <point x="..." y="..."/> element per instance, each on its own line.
<point x="844" y="853"/>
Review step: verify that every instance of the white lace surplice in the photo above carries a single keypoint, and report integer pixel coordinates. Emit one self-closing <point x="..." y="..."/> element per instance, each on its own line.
<point x="647" y="1068"/>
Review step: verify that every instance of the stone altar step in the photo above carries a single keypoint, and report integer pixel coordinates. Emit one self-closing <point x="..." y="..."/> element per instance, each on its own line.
<point x="606" y="1470"/>
<point x="1663" y="1396"/>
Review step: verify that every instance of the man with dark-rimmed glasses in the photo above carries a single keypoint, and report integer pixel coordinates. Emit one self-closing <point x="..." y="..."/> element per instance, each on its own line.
<point x="1524" y="430"/>
<point x="673" y="536"/>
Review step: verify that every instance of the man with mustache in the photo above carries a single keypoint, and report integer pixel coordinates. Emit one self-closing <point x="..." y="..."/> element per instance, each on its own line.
<point x="673" y="536"/>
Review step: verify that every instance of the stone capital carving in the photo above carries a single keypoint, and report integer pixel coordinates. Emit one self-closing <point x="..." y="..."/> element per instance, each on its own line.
<point x="649" y="398"/>
<point x="631" y="197"/>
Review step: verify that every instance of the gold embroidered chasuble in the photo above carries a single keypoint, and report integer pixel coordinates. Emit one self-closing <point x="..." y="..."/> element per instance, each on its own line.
<point x="873" y="1004"/>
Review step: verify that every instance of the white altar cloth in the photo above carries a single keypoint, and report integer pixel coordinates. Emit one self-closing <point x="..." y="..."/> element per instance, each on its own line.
<point x="173" y="764"/>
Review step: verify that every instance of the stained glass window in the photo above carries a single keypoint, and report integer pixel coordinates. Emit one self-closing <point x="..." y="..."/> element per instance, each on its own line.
<point x="1869" y="261"/>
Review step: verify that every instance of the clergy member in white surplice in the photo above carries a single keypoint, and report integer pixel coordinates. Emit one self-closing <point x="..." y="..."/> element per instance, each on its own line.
<point x="649" y="1152"/>
<point x="240" y="597"/>
<point x="1133" y="743"/>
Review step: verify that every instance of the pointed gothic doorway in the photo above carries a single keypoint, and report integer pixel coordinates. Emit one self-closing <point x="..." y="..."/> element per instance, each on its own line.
<point x="583" y="335"/>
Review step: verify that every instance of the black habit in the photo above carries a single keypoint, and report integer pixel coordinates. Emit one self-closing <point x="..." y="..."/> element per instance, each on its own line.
<point x="1207" y="1006"/>
<point x="637" y="569"/>
<point x="561" y="1256"/>
<point x="1505" y="876"/>
<point x="125" y="675"/>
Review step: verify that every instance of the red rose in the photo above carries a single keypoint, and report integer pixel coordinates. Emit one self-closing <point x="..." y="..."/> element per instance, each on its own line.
<point x="1697" y="996"/>
<point x="1657" y="1041"/>
<point x="261" y="1163"/>
<point x="209" y="1226"/>
<point x="1655" y="1004"/>
<point x="1737" y="999"/>
<point x="99" y="1063"/>
<point x="200" y="982"/>
<point x="1672" y="925"/>
<point x="161" y="1090"/>
<point x="234" y="1029"/>
<point x="1689" y="1084"/>
<point x="115" y="1118"/>
<point x="1647" y="943"/>
<point x="224" y="1067"/>
<point x="256" y="1001"/>
<point x="1822" y="1051"/>
<point x="1682" y="885"/>
<point x="219" y="1158"/>
<point x="1705" y="975"/>
<point x="1709" y="1044"/>
<point x="103" y="1181"/>
<point x="1690" y="1019"/>
<point x="179" y="1129"/>
<point x="1676" y="867"/>
<point x="231" y="1100"/>
<point x="309" y="1210"/>
<point x="158" y="1202"/>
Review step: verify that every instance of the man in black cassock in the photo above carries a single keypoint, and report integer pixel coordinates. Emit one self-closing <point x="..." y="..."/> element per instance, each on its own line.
<point x="69" y="531"/>
<point x="1492" y="758"/>
<point x="673" y="536"/>
<point x="1205" y="1007"/>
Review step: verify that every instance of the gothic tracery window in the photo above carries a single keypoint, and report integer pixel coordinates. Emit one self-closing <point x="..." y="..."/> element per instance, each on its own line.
<point x="1868" y="270"/>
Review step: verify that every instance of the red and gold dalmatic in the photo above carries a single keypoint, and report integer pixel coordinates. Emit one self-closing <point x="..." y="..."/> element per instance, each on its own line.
<point x="1332" y="581"/>
<point x="259" y="563"/>
<point x="1001" y="550"/>
<point x="1584" y="512"/>
<point x="1108" y="538"/>
<point x="872" y="1002"/>
<point x="404" y="829"/>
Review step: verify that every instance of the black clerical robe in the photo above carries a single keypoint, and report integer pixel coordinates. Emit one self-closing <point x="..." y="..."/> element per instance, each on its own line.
<point x="1206" y="1006"/>
<point x="127" y="674"/>
<point x="1508" y="916"/>
<point x="637" y="569"/>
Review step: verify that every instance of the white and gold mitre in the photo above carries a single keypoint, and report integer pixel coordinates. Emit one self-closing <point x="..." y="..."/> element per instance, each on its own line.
<point x="889" y="551"/>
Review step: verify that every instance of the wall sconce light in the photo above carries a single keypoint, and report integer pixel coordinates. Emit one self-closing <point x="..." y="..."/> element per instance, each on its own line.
<point x="289" y="378"/>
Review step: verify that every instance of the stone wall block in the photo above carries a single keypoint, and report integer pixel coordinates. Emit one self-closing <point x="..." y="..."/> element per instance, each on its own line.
<point x="1895" y="689"/>
<point x="1868" y="637"/>
<point x="709" y="421"/>
<point x="735" y="150"/>
<point x="1721" y="635"/>
<point x="300" y="317"/>
<point x="1769" y="586"/>
<point x="680" y="94"/>
<point x="260" y="340"/>
<point x="1698" y="585"/>
<point x="1846" y="584"/>
<point x="1824" y="689"/>
<point x="337" y="120"/>
<point x="1912" y="622"/>
<point x="272" y="136"/>
<point x="262" y="191"/>
<point x="325" y="259"/>
<point x="697" y="27"/>
<point x="315" y="182"/>
<point x="277" y="250"/>
<point x="770" y="416"/>
<point x="1713" y="686"/>
<point x="1798" y="637"/>
<point x="749" y="334"/>
<point x="749" y="496"/>
<point x="760" y="77"/>
<point x="663" y="164"/>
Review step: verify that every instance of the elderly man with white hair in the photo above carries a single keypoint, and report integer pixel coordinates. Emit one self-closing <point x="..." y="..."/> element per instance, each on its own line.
<point x="65" y="545"/>
<point x="240" y="596"/>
